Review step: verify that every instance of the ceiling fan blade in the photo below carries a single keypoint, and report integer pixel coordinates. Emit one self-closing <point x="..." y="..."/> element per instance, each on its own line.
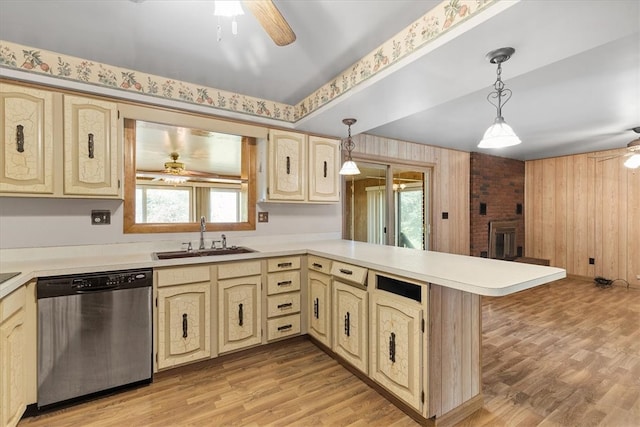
<point x="272" y="21"/>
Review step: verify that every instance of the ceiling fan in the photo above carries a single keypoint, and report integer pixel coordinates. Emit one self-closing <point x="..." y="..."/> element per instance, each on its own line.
<point x="268" y="15"/>
<point x="633" y="152"/>
<point x="175" y="172"/>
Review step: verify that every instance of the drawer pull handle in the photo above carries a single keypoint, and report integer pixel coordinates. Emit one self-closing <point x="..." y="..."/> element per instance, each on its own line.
<point x="240" y="316"/>
<point x="316" y="308"/>
<point x="285" y="283"/>
<point x="316" y="265"/>
<point x="20" y="138"/>
<point x="347" y="325"/>
<point x="284" y="264"/>
<point x="285" y="327"/>
<point x="288" y="165"/>
<point x="392" y="347"/>
<point x="325" y="168"/>
<point x="90" y="146"/>
<point x="345" y="271"/>
<point x="185" y="326"/>
<point x="285" y="305"/>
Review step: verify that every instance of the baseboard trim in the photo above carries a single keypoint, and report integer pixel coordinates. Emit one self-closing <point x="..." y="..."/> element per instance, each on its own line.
<point x="461" y="412"/>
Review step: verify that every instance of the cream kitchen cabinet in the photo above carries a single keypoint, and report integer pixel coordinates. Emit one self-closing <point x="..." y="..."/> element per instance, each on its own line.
<point x="239" y="305"/>
<point x="301" y="168"/>
<point x="26" y="161"/>
<point x="13" y="353"/>
<point x="42" y="129"/>
<point x="91" y="164"/>
<point x="396" y="342"/>
<point x="350" y="320"/>
<point x="184" y="315"/>
<point x="320" y="307"/>
<point x="283" y="297"/>
<point x="323" y="168"/>
<point x="287" y="178"/>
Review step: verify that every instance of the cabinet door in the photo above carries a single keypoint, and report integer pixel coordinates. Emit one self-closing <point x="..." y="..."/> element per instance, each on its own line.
<point x="287" y="166"/>
<point x="320" y="307"/>
<point x="183" y="324"/>
<point x="324" y="164"/>
<point x="350" y="333"/>
<point x="12" y="374"/>
<point x="396" y="346"/>
<point x="26" y="160"/>
<point x="90" y="147"/>
<point x="239" y="311"/>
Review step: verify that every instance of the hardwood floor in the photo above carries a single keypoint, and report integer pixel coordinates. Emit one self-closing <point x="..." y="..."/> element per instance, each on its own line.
<point x="563" y="354"/>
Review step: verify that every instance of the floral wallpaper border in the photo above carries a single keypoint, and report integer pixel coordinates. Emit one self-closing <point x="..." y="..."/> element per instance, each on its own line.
<point x="432" y="25"/>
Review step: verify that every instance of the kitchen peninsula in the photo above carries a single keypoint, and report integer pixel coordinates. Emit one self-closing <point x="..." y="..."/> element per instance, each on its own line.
<point x="429" y="363"/>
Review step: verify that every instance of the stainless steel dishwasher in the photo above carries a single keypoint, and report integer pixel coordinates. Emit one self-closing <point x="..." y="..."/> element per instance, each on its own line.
<point x="94" y="333"/>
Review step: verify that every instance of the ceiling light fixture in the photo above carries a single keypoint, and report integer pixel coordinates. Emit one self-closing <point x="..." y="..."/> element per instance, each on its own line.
<point x="499" y="134"/>
<point x="633" y="161"/>
<point x="229" y="9"/>
<point x="349" y="167"/>
<point x="174" y="170"/>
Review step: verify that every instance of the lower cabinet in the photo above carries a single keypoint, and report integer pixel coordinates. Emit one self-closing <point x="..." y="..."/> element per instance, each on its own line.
<point x="13" y="400"/>
<point x="396" y="346"/>
<point x="320" y="307"/>
<point x="239" y="310"/>
<point x="183" y="324"/>
<point x="350" y="320"/>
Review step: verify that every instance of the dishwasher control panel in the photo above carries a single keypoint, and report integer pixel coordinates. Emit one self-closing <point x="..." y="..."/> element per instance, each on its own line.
<point x="93" y="282"/>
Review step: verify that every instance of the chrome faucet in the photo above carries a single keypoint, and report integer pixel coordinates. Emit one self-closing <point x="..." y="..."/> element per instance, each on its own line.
<point x="224" y="242"/>
<point x="203" y="228"/>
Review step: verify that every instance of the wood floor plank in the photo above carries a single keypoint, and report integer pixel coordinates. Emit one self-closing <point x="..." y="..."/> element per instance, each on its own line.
<point x="562" y="354"/>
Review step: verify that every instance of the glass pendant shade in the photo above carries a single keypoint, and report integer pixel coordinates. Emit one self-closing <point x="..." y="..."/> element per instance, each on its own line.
<point x="633" y="162"/>
<point x="499" y="135"/>
<point x="349" y="168"/>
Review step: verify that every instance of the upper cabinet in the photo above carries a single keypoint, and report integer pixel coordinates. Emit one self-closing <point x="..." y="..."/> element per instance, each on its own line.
<point x="324" y="164"/>
<point x="301" y="169"/>
<point x="57" y="145"/>
<point x="90" y="147"/>
<point x="26" y="161"/>
<point x="287" y="166"/>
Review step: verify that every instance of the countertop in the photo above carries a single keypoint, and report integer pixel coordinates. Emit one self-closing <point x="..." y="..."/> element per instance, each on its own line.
<point x="471" y="274"/>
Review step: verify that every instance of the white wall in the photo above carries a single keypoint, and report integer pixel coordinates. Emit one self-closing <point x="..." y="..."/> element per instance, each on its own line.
<point x="36" y="222"/>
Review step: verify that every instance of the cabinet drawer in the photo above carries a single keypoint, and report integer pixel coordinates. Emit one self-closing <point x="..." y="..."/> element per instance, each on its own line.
<point x="321" y="265"/>
<point x="238" y="269"/>
<point x="183" y="275"/>
<point x="278" y="305"/>
<point x="349" y="272"/>
<point x="287" y="281"/>
<point x="283" y="264"/>
<point x="283" y="327"/>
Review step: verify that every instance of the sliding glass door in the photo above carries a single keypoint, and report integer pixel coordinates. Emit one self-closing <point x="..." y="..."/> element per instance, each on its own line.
<point x="388" y="205"/>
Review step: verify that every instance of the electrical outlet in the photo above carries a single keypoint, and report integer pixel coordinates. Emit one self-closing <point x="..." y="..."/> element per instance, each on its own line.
<point x="445" y="215"/>
<point x="100" y="217"/>
<point x="263" y="216"/>
<point x="592" y="261"/>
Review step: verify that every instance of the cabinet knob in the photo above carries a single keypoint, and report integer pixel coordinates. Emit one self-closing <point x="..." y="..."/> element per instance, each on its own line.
<point x="185" y="326"/>
<point x="90" y="145"/>
<point x="20" y="138"/>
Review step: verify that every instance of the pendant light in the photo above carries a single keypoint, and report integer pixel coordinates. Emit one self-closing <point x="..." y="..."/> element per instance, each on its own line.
<point x="499" y="134"/>
<point x="349" y="167"/>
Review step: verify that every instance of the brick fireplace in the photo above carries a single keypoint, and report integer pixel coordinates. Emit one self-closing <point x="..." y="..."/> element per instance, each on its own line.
<point x="497" y="197"/>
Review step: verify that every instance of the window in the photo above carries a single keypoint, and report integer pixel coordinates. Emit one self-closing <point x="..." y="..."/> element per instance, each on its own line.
<point x="224" y="205"/>
<point x="163" y="204"/>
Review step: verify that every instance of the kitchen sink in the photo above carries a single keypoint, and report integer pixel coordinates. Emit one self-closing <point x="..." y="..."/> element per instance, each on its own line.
<point x="231" y="250"/>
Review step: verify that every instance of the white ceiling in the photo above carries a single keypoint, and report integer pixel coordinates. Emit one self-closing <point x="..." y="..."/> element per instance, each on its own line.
<point x="575" y="75"/>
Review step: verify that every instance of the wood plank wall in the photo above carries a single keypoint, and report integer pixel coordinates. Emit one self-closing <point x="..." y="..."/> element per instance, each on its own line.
<point x="580" y="207"/>
<point x="450" y="185"/>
